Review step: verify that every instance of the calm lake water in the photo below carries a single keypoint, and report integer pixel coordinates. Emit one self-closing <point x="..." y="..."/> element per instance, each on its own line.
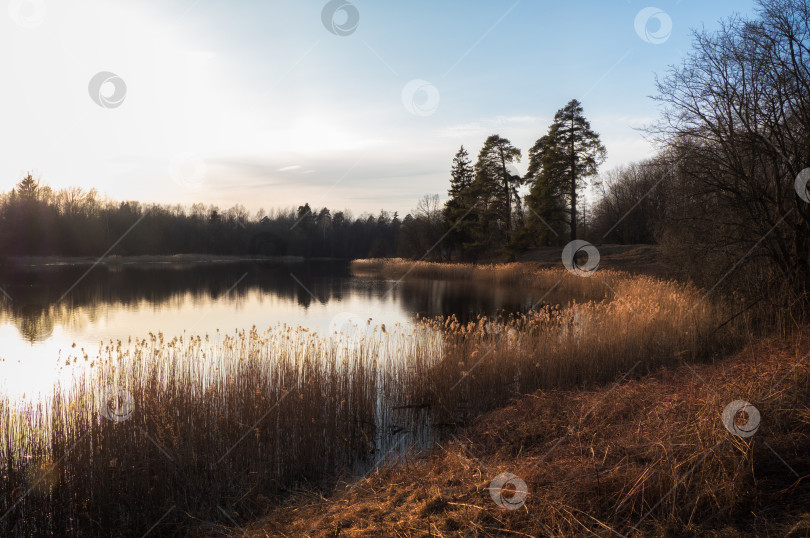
<point x="52" y="315"/>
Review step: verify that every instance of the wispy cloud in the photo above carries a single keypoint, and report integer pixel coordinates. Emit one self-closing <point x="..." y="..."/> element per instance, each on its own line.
<point x="487" y="126"/>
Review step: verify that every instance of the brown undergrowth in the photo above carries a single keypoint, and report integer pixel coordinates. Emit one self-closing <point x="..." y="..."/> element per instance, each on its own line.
<point x="647" y="457"/>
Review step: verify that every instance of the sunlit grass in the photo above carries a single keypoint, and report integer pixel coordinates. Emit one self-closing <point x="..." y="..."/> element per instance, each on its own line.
<point x="556" y="286"/>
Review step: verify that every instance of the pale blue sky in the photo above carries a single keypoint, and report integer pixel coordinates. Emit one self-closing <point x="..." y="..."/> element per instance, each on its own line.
<point x="259" y="103"/>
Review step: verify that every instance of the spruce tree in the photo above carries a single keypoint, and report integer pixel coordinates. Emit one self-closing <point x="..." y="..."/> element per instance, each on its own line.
<point x="458" y="215"/>
<point x="28" y="189"/>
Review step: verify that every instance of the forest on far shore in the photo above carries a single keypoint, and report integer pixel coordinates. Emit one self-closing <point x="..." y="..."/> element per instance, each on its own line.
<point x="39" y="221"/>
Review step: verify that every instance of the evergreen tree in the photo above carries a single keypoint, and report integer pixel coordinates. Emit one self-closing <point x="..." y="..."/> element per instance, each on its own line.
<point x="458" y="216"/>
<point x="26" y="215"/>
<point x="28" y="189"/>
<point x="462" y="174"/>
<point x="496" y="188"/>
<point x="561" y="163"/>
<point x="548" y="193"/>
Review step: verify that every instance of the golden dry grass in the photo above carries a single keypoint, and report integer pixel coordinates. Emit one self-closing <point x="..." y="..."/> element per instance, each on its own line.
<point x="649" y="457"/>
<point x="504" y="273"/>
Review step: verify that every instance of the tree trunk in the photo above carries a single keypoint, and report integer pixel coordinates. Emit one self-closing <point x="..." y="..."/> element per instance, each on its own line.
<point x="573" y="185"/>
<point x="508" y="197"/>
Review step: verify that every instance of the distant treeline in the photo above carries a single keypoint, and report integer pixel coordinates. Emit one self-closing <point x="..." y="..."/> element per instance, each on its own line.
<point x="36" y="220"/>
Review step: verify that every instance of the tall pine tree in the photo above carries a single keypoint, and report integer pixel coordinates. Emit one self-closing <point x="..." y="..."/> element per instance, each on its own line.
<point x="561" y="163"/>
<point x="458" y="215"/>
<point x="497" y="187"/>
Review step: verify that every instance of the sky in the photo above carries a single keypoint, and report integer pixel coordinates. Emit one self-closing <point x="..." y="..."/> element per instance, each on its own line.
<point x="355" y="105"/>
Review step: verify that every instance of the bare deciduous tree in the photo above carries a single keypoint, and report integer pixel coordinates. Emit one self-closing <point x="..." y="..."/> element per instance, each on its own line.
<point x="737" y="125"/>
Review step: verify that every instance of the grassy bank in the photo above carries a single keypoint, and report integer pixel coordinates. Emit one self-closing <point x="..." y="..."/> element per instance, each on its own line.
<point x="647" y="457"/>
<point x="647" y="260"/>
<point x="504" y="273"/>
<point x="553" y="283"/>
<point x="217" y="431"/>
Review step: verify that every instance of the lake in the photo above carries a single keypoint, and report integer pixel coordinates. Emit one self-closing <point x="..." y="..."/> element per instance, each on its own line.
<point x="54" y="318"/>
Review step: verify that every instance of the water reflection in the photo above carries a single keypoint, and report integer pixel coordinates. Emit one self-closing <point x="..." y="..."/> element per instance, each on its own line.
<point x="41" y="298"/>
<point x="58" y="317"/>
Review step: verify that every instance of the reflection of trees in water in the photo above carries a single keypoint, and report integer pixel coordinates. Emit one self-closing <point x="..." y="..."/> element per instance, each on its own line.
<point x="34" y="324"/>
<point x="465" y="300"/>
<point x="27" y="306"/>
<point x="36" y="294"/>
<point x="37" y="304"/>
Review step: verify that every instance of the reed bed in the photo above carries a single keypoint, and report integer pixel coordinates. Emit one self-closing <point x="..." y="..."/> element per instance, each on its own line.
<point x="554" y="285"/>
<point x="504" y="273"/>
<point x="223" y="427"/>
<point x="230" y="421"/>
<point x="649" y="323"/>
